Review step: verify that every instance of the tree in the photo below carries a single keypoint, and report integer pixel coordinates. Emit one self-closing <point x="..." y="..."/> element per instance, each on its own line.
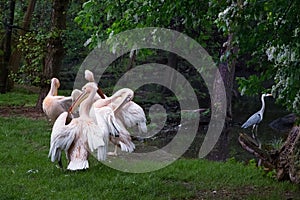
<point x="55" y="48"/>
<point x="6" y="47"/>
<point x="267" y="33"/>
<point x="15" y="58"/>
<point x="194" y="18"/>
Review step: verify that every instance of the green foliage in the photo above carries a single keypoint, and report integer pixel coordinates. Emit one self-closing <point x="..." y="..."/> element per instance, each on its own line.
<point x="74" y="38"/>
<point x="267" y="32"/>
<point x="254" y="84"/>
<point x="102" y="19"/>
<point x="277" y="143"/>
<point x="33" y="47"/>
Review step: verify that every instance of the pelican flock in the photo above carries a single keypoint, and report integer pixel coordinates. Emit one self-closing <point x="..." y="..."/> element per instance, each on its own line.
<point x="101" y="119"/>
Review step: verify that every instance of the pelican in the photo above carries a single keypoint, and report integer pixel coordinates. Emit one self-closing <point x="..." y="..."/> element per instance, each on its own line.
<point x="54" y="105"/>
<point x="127" y="113"/>
<point x="81" y="136"/>
<point x="256" y="118"/>
<point x="116" y="103"/>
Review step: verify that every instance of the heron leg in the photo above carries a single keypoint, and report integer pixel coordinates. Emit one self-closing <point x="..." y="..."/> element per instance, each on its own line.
<point x="259" y="146"/>
<point x="253" y="133"/>
<point x="258" y="143"/>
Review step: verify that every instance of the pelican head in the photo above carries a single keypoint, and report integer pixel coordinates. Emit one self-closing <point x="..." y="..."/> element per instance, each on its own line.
<point x="87" y="89"/>
<point x="55" y="82"/>
<point x="89" y="76"/>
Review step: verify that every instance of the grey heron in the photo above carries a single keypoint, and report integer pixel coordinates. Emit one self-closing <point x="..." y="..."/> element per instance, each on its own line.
<point x="256" y="118"/>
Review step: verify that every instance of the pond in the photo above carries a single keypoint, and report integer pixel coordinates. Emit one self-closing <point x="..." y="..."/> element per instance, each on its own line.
<point x="242" y="110"/>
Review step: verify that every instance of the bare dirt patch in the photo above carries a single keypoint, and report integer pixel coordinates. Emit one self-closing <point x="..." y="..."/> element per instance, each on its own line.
<point x="21" y="111"/>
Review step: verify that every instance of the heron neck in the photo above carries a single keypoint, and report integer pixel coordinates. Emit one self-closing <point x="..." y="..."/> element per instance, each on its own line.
<point x="263" y="104"/>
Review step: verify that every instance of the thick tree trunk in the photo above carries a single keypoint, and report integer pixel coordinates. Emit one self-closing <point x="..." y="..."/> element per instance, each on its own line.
<point x="55" y="50"/>
<point x="227" y="71"/>
<point x="4" y="65"/>
<point x="15" y="58"/>
<point x="285" y="161"/>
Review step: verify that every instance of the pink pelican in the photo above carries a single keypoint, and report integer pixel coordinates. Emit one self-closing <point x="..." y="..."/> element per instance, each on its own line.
<point x="81" y="136"/>
<point x="54" y="105"/>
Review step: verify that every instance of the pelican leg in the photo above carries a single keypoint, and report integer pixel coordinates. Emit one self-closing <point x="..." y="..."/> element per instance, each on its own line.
<point x="60" y="163"/>
<point x="114" y="153"/>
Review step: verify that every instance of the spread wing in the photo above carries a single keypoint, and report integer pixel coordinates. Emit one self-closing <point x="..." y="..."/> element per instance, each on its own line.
<point x="62" y="137"/>
<point x="131" y="114"/>
<point x="96" y="140"/>
<point x="124" y="140"/>
<point x="65" y="102"/>
<point x="108" y="124"/>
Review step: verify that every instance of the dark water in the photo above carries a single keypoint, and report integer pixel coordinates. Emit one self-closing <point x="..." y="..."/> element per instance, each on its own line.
<point x="242" y="110"/>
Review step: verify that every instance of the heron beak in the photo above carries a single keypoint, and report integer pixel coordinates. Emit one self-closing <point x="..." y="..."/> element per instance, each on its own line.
<point x="269" y="95"/>
<point x="78" y="101"/>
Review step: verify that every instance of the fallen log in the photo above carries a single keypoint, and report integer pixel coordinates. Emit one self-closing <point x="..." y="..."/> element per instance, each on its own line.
<point x="286" y="160"/>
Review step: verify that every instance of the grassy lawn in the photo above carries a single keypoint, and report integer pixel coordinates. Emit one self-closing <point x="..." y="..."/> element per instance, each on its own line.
<point x="27" y="173"/>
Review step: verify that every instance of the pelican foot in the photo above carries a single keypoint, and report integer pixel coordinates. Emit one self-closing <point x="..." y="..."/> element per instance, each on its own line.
<point x="112" y="154"/>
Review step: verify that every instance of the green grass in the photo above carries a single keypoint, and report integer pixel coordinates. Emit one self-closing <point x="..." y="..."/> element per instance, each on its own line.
<point x="27" y="173"/>
<point x="22" y="96"/>
<point x="18" y="99"/>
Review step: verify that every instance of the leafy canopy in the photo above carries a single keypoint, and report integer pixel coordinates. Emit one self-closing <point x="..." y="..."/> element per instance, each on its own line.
<point x="267" y="32"/>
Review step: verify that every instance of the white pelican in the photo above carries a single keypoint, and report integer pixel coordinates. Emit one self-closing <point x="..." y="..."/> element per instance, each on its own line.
<point x="127" y="113"/>
<point x="116" y="103"/>
<point x="81" y="136"/>
<point x="54" y="105"/>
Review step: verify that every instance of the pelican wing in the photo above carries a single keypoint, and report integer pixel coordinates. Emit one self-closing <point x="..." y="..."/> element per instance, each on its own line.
<point x="108" y="124"/>
<point x="125" y="141"/>
<point x="65" y="102"/>
<point x="132" y="114"/>
<point x="53" y="106"/>
<point x="106" y="121"/>
<point x="62" y="137"/>
<point x="96" y="140"/>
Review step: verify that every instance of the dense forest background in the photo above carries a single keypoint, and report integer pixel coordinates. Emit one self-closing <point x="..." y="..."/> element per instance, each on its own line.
<point x="255" y="43"/>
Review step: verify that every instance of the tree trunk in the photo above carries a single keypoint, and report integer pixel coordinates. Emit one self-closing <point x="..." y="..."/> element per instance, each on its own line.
<point x="7" y="49"/>
<point x="227" y="71"/>
<point x="15" y="58"/>
<point x="285" y="161"/>
<point x="173" y="62"/>
<point x="55" y="50"/>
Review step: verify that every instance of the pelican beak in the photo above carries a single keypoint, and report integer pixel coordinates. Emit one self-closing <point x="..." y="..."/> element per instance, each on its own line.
<point x="126" y="100"/>
<point x="78" y="101"/>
